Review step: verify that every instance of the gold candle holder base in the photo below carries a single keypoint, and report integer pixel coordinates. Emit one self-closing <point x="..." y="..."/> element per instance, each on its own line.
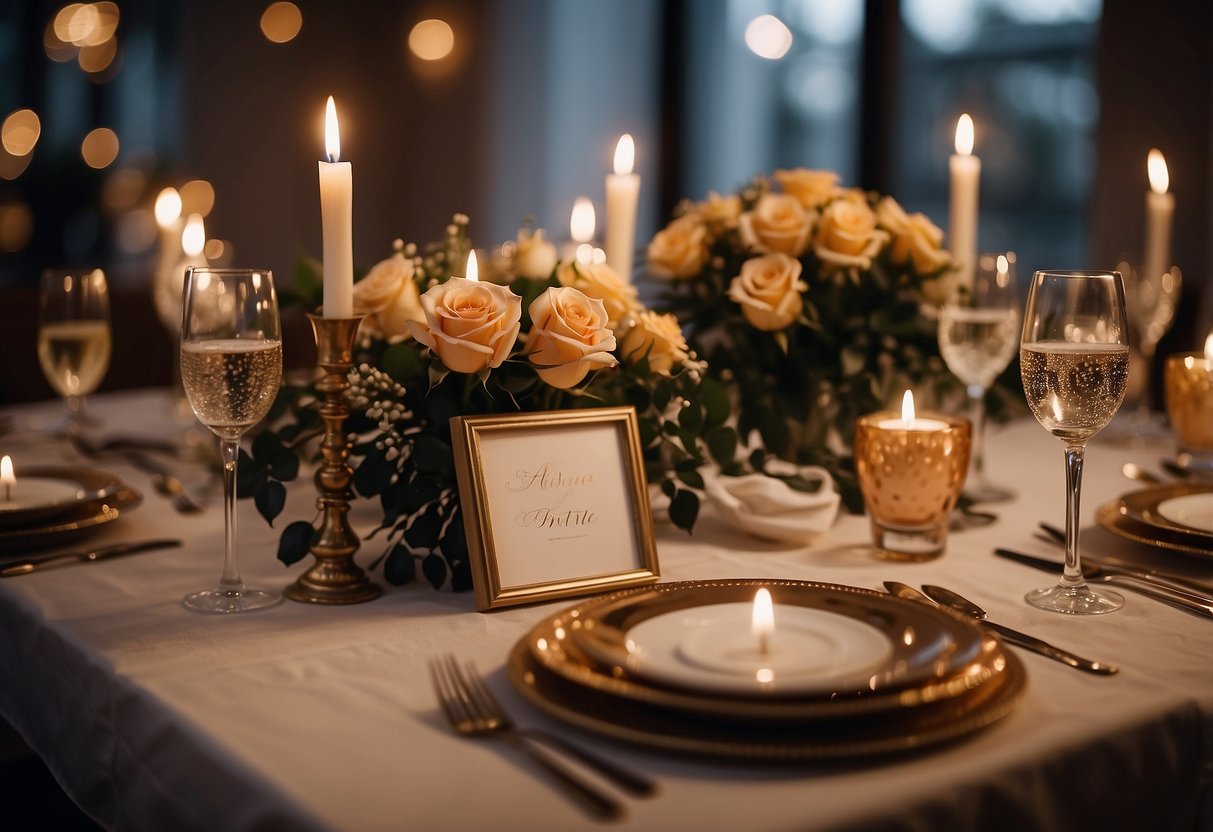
<point x="334" y="578"/>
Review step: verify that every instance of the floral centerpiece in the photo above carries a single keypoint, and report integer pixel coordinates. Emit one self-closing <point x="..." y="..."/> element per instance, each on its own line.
<point x="535" y="334"/>
<point x="808" y="299"/>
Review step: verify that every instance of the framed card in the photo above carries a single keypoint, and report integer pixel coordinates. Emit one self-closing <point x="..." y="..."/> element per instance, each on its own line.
<point x="555" y="504"/>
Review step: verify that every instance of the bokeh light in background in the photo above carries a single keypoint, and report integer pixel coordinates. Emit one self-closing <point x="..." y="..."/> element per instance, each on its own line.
<point x="281" y="22"/>
<point x="768" y="37"/>
<point x="16" y="226"/>
<point x="99" y="148"/>
<point x="197" y="197"/>
<point x="432" y="40"/>
<point x="86" y="32"/>
<point x="20" y="132"/>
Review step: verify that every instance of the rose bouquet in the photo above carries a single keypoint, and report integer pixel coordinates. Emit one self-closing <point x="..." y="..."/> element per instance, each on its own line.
<point x="534" y="335"/>
<point x="808" y="300"/>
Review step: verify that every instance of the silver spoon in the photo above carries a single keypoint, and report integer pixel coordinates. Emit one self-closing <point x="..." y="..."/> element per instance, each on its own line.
<point x="1135" y="472"/>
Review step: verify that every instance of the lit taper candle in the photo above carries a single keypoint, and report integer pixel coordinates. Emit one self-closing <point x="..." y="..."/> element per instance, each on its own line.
<point x="1160" y="208"/>
<point x="965" y="170"/>
<point x="622" y="195"/>
<point x="336" y="214"/>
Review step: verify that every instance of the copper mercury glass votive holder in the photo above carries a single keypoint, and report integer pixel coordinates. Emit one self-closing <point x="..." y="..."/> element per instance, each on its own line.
<point x="1188" y="393"/>
<point x="911" y="478"/>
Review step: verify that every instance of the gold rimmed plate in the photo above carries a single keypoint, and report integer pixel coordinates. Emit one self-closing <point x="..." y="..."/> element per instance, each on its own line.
<point x="62" y="492"/>
<point x="939" y="655"/>
<point x="740" y="738"/>
<point x="1114" y="518"/>
<point x="106" y="498"/>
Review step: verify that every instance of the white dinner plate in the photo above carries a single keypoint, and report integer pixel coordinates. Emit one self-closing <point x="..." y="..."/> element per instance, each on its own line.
<point x="1192" y="510"/>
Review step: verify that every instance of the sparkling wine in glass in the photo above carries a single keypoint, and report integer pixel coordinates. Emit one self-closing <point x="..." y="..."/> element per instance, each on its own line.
<point x="978" y="333"/>
<point x="74" y="335"/>
<point x="1074" y="361"/>
<point x="231" y="367"/>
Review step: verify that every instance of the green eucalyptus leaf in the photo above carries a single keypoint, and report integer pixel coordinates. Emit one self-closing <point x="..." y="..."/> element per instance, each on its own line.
<point x="295" y="541"/>
<point x="434" y="568"/>
<point x="692" y="478"/>
<point x="715" y="401"/>
<point x="270" y="500"/>
<point x="400" y="566"/>
<point x="722" y="444"/>
<point x="684" y="509"/>
<point x="691" y="418"/>
<point x="424" y="530"/>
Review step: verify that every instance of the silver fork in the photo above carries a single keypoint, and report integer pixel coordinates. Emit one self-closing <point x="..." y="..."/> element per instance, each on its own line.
<point x="474" y="712"/>
<point x="165" y="483"/>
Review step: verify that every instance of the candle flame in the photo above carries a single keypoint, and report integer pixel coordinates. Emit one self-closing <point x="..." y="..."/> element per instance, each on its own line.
<point x="473" y="270"/>
<point x="1209" y="347"/>
<point x="625" y="154"/>
<point x="762" y="623"/>
<point x="907" y="408"/>
<point x="168" y="207"/>
<point x="7" y="478"/>
<point x="193" y="238"/>
<point x="1156" y="167"/>
<point x="581" y="222"/>
<point x="964" y="135"/>
<point x="332" y="135"/>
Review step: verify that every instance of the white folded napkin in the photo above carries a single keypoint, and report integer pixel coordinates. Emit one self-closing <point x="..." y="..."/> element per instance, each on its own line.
<point x="767" y="508"/>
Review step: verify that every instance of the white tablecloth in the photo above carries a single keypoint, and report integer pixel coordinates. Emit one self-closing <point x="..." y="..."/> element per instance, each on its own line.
<point x="310" y="717"/>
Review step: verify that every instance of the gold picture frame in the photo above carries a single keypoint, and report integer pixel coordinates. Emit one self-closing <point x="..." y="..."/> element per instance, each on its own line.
<point x="555" y="504"/>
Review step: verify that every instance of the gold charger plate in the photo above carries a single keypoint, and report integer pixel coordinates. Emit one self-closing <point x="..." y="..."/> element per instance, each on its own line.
<point x="1143" y="507"/>
<point x="1112" y="517"/>
<point x="960" y="656"/>
<point x="740" y="738"/>
<point x="89" y="485"/>
<point x="85" y="517"/>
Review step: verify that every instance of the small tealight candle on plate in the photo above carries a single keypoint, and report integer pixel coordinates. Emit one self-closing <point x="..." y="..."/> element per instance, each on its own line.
<point x="1188" y="388"/>
<point x="911" y="471"/>
<point x="32" y="492"/>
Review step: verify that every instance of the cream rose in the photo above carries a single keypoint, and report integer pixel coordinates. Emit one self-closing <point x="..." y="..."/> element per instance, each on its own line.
<point x="916" y="239"/>
<point x="389" y="297"/>
<point x="657" y="337"/>
<point x="470" y="325"/>
<point x="600" y="281"/>
<point x="847" y="235"/>
<point x="768" y="291"/>
<point x="534" y="256"/>
<point x="569" y="336"/>
<point x="719" y="212"/>
<point x="680" y="249"/>
<point x="811" y="187"/>
<point x="777" y="223"/>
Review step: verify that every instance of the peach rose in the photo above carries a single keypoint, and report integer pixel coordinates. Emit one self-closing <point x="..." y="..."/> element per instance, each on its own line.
<point x="389" y="297"/>
<point x="768" y="291"/>
<point x="811" y="187"/>
<point x="598" y="280"/>
<point x="659" y="338"/>
<point x="719" y="212"/>
<point x="569" y="336"/>
<point x="847" y="235"/>
<point x="680" y="249"/>
<point x="777" y="223"/>
<point x="916" y="239"/>
<point x="534" y="256"/>
<point x="470" y="325"/>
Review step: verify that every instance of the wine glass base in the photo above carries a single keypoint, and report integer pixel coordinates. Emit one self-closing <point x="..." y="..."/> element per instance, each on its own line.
<point x="1079" y="600"/>
<point x="222" y="600"/>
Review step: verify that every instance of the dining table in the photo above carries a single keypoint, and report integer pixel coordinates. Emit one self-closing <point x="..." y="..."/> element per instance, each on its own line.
<point x="315" y="717"/>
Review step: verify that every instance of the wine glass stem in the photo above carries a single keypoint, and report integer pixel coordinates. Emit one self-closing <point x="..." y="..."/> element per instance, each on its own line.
<point x="977" y="412"/>
<point x="230" y="451"/>
<point x="1072" y="576"/>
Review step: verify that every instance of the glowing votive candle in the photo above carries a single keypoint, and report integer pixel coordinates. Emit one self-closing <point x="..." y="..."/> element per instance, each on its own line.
<point x="911" y="471"/>
<point x="1188" y="391"/>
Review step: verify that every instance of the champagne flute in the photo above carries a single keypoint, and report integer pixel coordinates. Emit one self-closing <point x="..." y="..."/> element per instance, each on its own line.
<point x="978" y="330"/>
<point x="231" y="367"/>
<point x="1074" y="361"/>
<point x="74" y="339"/>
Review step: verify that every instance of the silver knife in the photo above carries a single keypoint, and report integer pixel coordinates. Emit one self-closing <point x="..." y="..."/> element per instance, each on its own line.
<point x="1157" y="588"/>
<point x="101" y="553"/>
<point x="1179" y="582"/>
<point x="961" y="604"/>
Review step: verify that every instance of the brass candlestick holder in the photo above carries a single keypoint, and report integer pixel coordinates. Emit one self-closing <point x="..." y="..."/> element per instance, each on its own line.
<point x="334" y="578"/>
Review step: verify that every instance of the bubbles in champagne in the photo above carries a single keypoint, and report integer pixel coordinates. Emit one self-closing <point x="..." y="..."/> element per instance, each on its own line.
<point x="231" y="383"/>
<point x="1074" y="389"/>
